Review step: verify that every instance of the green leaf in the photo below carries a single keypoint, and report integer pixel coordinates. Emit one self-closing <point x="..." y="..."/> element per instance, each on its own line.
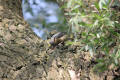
<point x="91" y="52"/>
<point x="69" y="42"/>
<point x="69" y="4"/>
<point x="101" y="3"/>
<point x="96" y="5"/>
<point x="104" y="4"/>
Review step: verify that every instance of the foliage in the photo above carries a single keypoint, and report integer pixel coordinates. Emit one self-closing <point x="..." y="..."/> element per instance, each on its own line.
<point x="99" y="26"/>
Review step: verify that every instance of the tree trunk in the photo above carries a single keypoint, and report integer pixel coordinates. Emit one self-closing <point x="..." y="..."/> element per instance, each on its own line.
<point x="24" y="56"/>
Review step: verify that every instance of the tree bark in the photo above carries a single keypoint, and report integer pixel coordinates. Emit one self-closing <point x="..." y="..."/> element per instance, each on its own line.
<point x="24" y="56"/>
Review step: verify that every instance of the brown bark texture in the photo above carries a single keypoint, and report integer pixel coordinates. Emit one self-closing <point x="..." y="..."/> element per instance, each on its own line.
<point x="24" y="56"/>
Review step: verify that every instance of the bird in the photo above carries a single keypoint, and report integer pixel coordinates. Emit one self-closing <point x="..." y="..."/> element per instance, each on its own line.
<point x="44" y="16"/>
<point x="58" y="38"/>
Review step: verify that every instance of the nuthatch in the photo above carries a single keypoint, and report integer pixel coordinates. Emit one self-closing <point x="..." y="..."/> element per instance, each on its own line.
<point x="58" y="38"/>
